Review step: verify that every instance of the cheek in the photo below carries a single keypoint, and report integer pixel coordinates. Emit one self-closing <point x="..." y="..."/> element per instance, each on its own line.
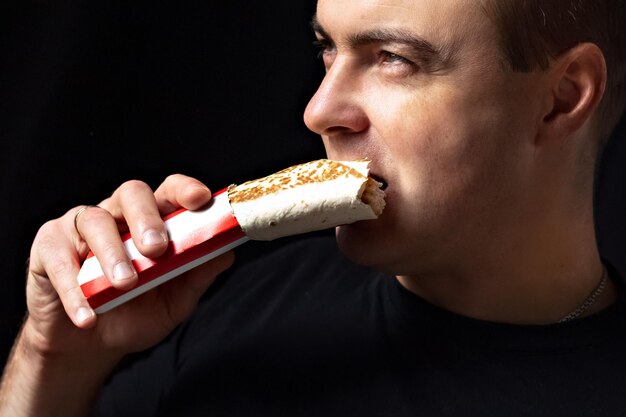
<point x="423" y="146"/>
<point x="446" y="158"/>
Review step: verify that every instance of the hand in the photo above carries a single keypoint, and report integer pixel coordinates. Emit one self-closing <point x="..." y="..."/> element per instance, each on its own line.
<point x="64" y="352"/>
<point x="60" y="320"/>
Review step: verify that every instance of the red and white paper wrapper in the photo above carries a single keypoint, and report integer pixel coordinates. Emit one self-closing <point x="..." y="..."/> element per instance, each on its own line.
<point x="195" y="237"/>
<point x="312" y="196"/>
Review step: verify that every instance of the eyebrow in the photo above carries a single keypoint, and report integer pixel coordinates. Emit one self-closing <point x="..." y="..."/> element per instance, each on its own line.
<point x="433" y="58"/>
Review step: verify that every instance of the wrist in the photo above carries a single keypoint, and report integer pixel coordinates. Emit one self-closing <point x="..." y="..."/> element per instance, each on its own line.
<point x="40" y="380"/>
<point x="78" y="364"/>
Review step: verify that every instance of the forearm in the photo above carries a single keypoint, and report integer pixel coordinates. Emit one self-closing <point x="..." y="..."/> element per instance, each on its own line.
<point x="43" y="384"/>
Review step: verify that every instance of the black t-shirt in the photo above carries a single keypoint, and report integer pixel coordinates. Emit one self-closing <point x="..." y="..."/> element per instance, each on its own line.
<point x="304" y="332"/>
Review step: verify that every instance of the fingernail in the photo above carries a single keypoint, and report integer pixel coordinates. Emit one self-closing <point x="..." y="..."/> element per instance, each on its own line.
<point x="123" y="272"/>
<point x="83" y="314"/>
<point x="152" y="237"/>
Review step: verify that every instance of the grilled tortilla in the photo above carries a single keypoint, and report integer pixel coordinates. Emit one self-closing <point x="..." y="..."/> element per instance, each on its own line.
<point x="312" y="196"/>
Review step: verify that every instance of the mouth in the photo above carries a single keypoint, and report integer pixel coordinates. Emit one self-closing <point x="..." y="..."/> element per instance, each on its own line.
<point x="379" y="179"/>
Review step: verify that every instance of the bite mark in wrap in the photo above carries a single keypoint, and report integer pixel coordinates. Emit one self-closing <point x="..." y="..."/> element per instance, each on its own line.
<point x="312" y="196"/>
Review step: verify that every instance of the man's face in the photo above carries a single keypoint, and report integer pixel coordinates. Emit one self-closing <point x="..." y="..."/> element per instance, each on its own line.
<point x="417" y="87"/>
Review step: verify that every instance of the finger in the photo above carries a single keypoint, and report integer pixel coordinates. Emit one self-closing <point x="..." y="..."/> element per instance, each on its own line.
<point x="181" y="191"/>
<point x="134" y="201"/>
<point x="54" y="265"/>
<point x="99" y="230"/>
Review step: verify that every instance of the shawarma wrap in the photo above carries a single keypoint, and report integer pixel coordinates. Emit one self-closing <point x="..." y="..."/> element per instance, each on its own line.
<point x="312" y="196"/>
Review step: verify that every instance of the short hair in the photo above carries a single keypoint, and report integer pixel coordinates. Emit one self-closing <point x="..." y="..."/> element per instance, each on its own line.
<point x="534" y="31"/>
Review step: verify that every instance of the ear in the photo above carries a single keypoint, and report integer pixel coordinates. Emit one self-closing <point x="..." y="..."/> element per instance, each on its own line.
<point x="578" y="79"/>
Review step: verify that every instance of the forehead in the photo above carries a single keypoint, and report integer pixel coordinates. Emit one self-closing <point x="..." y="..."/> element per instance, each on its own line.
<point x="450" y="21"/>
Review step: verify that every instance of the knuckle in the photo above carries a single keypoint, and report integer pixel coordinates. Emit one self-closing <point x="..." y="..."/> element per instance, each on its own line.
<point x="112" y="251"/>
<point x="73" y="296"/>
<point x="47" y="239"/>
<point x="95" y="214"/>
<point x="134" y="186"/>
<point x="49" y="252"/>
<point x="174" y="178"/>
<point x="49" y="228"/>
<point x="105" y="203"/>
<point x="59" y="267"/>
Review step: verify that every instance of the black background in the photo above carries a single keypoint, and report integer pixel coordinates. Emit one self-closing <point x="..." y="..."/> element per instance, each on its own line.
<point x="94" y="93"/>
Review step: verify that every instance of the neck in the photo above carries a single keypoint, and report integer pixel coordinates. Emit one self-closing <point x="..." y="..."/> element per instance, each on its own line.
<point x="533" y="275"/>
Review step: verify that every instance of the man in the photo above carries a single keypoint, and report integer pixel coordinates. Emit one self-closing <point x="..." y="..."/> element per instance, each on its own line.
<point x="482" y="290"/>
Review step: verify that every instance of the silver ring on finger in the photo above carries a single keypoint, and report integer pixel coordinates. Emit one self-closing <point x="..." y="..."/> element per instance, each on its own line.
<point x="81" y="211"/>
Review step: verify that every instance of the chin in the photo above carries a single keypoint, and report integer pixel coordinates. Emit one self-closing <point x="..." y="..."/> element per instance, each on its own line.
<point x="364" y="244"/>
<point x="386" y="247"/>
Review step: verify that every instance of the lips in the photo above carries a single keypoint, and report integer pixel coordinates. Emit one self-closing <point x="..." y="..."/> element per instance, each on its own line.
<point x="380" y="179"/>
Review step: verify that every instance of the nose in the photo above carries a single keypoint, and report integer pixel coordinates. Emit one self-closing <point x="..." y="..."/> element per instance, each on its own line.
<point x="337" y="106"/>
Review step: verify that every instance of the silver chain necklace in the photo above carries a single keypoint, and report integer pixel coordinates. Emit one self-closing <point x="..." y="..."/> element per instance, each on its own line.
<point x="589" y="301"/>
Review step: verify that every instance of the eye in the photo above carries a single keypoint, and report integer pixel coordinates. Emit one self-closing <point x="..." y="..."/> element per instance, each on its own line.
<point x="325" y="50"/>
<point x="387" y="57"/>
<point x="322" y="46"/>
<point x="396" y="65"/>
